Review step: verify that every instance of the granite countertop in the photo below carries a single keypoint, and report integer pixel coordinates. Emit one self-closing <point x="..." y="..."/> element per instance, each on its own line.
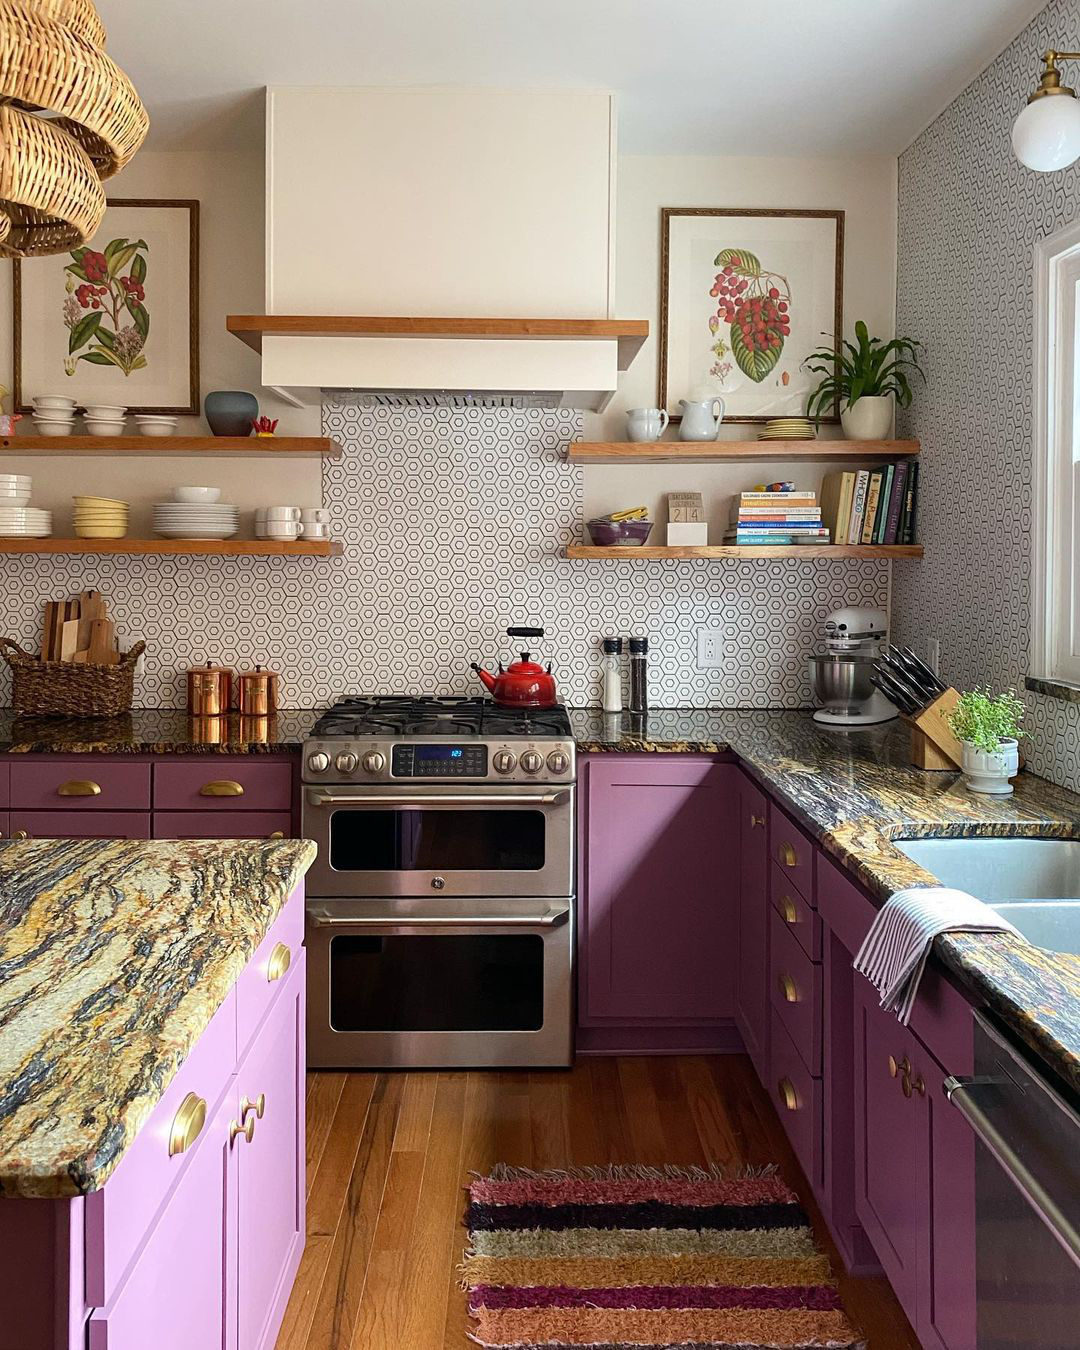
<point x="114" y="956"/>
<point x="156" y="731"/>
<point x="855" y="791"/>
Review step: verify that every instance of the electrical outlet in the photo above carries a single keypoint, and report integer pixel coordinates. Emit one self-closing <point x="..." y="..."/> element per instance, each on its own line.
<point x="933" y="654"/>
<point x="710" y="649"/>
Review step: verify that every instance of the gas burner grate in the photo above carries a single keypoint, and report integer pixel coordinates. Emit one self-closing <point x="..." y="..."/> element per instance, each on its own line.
<point x="394" y="715"/>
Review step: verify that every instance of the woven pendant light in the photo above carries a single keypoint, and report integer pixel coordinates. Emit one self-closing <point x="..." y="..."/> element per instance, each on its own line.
<point x="69" y="117"/>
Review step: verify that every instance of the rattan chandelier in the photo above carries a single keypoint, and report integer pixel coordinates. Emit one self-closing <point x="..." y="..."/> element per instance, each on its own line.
<point x="69" y="118"/>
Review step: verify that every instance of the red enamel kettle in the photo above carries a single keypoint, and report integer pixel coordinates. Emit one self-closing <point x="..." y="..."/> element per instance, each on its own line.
<point x="525" y="683"/>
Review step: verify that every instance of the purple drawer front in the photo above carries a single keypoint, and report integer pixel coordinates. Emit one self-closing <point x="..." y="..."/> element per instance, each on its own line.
<point x="5" y="783"/>
<point x="4" y="825"/>
<point x="222" y="824"/>
<point x="122" y="1212"/>
<point x="793" y="852"/>
<point x="795" y="910"/>
<point x="795" y="985"/>
<point x="69" y="784"/>
<point x="80" y="824"/>
<point x="265" y="973"/>
<point x="264" y="786"/>
<point x="796" y="1093"/>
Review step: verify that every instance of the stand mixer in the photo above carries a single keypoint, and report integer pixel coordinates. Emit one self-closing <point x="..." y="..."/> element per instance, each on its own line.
<point x="840" y="676"/>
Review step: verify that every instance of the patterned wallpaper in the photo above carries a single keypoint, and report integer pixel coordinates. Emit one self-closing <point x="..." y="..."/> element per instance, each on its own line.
<point x="970" y="215"/>
<point x="453" y="524"/>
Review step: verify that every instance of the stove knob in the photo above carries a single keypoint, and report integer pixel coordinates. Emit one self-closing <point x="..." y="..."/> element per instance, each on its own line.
<point x="346" y="762"/>
<point x="558" y="761"/>
<point x="532" y="761"/>
<point x="503" y="761"/>
<point x="374" y="762"/>
<point x="319" y="762"/>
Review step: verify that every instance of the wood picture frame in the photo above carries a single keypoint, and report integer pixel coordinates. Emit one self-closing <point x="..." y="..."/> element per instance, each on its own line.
<point x="53" y="305"/>
<point x="703" y="350"/>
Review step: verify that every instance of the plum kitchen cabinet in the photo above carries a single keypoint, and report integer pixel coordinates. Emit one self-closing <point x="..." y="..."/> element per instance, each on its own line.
<point x="752" y="973"/>
<point x="657" y="912"/>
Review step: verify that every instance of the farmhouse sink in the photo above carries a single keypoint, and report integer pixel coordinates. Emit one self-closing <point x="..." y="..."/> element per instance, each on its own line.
<point x="1034" y="883"/>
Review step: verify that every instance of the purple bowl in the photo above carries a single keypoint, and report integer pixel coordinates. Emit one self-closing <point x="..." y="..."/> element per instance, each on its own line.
<point x="609" y="532"/>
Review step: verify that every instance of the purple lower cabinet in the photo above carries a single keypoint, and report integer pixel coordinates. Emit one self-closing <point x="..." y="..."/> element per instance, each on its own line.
<point x="752" y="975"/>
<point x="80" y="824"/>
<point x="222" y="824"/>
<point x="658" y="896"/>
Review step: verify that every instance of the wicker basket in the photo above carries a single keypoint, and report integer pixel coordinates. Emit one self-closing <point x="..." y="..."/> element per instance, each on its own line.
<point x="68" y="688"/>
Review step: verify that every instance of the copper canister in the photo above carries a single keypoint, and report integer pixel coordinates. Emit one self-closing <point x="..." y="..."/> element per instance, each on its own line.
<point x="208" y="730"/>
<point x="257" y="730"/>
<point x="258" y="692"/>
<point x="210" y="690"/>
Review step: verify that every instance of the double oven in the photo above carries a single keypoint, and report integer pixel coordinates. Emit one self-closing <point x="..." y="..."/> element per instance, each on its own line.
<point x="440" y="916"/>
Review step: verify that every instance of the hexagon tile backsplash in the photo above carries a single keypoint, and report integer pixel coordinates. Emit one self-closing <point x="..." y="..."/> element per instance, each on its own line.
<point x="454" y="523"/>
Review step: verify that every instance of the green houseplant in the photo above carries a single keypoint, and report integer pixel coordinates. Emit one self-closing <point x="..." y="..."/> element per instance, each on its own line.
<point x="865" y="379"/>
<point x="988" y="728"/>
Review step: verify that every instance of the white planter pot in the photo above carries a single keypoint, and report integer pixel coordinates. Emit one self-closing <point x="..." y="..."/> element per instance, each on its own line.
<point x="990" y="772"/>
<point x="869" y="418"/>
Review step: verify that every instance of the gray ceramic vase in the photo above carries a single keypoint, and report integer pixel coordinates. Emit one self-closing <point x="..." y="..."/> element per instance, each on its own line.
<point x="231" y="412"/>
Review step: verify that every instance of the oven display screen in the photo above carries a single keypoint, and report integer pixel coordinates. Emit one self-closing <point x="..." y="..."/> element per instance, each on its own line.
<point x="439" y="761"/>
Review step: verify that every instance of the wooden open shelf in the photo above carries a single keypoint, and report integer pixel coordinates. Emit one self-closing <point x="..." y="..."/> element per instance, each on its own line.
<point x="825" y="551"/>
<point x="252" y="328"/>
<point x="160" y="447"/>
<point x="720" y="452"/>
<point x="263" y="548"/>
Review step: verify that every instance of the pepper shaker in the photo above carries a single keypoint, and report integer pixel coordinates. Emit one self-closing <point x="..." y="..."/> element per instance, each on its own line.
<point x="639" y="680"/>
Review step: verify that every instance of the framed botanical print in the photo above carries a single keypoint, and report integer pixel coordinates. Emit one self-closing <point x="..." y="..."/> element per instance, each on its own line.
<point x="746" y="296"/>
<point x="115" y="321"/>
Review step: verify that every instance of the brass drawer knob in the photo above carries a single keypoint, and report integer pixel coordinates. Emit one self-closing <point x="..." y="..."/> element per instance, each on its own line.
<point x="894" y="1068"/>
<point x="20" y="834"/>
<point x="247" y="1130"/>
<point x="788" y="988"/>
<point x="788" y="910"/>
<point x="79" y="787"/>
<point x="258" y="1106"/>
<point x="788" y="1095"/>
<point x="222" y="787"/>
<point x="755" y="821"/>
<point x="187" y="1124"/>
<point x="788" y="856"/>
<point x="919" y="1085"/>
<point x="277" y="834"/>
<point x="279" y="963"/>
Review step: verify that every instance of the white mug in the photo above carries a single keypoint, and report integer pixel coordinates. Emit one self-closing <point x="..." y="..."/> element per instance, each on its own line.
<point x="315" y="529"/>
<point x="646" y="424"/>
<point x="282" y="513"/>
<point x="315" y="515"/>
<point x="283" y="529"/>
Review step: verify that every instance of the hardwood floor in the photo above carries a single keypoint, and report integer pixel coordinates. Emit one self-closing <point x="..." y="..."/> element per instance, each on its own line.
<point x="389" y="1155"/>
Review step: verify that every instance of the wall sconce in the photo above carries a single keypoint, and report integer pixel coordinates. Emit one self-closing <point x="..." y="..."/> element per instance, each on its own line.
<point x="1046" y="135"/>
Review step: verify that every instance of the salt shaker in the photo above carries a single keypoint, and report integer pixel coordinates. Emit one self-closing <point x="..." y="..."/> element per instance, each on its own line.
<point x="639" y="684"/>
<point x="611" y="696"/>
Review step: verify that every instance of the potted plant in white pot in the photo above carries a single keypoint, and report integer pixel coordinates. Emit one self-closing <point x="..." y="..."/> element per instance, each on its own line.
<point x="988" y="728"/>
<point x="865" y="380"/>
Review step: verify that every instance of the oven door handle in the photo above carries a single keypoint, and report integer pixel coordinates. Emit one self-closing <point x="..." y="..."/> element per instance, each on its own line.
<point x="551" y="918"/>
<point x="328" y="797"/>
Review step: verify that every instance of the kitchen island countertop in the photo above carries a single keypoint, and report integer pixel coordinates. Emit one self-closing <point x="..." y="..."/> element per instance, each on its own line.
<point x="114" y="956"/>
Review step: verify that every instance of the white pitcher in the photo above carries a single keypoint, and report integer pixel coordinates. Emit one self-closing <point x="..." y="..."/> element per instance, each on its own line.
<point x="701" y="421"/>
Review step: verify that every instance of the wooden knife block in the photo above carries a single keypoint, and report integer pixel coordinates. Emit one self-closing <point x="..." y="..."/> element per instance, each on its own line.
<point x="933" y="746"/>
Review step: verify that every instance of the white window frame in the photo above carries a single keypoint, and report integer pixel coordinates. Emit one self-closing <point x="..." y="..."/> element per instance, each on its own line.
<point x="1055" y="580"/>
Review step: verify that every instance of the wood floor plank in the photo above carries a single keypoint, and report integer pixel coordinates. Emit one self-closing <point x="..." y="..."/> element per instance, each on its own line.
<point x="417" y="1104"/>
<point x="324" y="1094"/>
<point x="548" y="1112"/>
<point x="338" y="1156"/>
<point x="642" y="1112"/>
<point x="707" y="1112"/>
<point x="682" y="1143"/>
<point x="611" y="1113"/>
<point x="514" y="1124"/>
<point x="479" y="1154"/>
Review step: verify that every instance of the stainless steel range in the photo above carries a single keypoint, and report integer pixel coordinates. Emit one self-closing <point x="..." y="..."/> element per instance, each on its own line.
<point x="440" y="913"/>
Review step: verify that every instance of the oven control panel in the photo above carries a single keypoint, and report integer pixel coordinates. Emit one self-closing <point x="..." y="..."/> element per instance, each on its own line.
<point x="439" y="761"/>
<point x="484" y="760"/>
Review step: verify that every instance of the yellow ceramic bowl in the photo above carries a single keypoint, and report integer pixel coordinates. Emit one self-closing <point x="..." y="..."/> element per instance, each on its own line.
<point x="101" y="531"/>
<point x="99" y="501"/>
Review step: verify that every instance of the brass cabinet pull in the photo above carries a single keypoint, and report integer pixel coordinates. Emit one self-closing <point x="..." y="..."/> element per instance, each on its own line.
<point x="279" y="963"/>
<point x="894" y="1068"/>
<point x="222" y="787"/>
<point x="277" y="834"/>
<point x="788" y="988"/>
<point x="919" y="1085"/>
<point x="788" y="910"/>
<point x="79" y="787"/>
<point x="187" y="1124"/>
<point x="20" y="834"/>
<point x="788" y="1095"/>
<point x="788" y="856"/>
<point x="247" y="1130"/>
<point x="258" y="1106"/>
<point x="756" y="820"/>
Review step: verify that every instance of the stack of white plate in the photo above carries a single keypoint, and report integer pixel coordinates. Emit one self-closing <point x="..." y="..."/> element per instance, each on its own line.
<point x="24" y="522"/>
<point x="14" y="489"/>
<point x="195" y="520"/>
<point x="100" y="518"/>
<point x="54" y="415"/>
<point x="787" y="429"/>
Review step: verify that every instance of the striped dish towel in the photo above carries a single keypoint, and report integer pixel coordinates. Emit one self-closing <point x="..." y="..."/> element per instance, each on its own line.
<point x="894" y="952"/>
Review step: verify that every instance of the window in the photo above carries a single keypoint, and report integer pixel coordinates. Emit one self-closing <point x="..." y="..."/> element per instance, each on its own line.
<point x="1055" y="578"/>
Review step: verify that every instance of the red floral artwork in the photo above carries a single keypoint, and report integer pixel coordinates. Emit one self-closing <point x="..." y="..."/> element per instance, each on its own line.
<point x="755" y="304"/>
<point x="105" y="307"/>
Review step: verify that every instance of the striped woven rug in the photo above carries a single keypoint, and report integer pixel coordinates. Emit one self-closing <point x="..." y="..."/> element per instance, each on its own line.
<point x="648" y="1258"/>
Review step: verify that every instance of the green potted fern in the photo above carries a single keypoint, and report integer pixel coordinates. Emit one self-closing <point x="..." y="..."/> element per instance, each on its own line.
<point x="865" y="380"/>
<point x="988" y="729"/>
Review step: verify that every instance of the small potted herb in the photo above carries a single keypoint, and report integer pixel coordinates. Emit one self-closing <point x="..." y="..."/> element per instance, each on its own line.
<point x="988" y="728"/>
<point x="866" y="380"/>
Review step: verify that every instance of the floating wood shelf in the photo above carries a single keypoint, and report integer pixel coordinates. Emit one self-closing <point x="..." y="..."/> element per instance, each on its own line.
<point x="824" y="551"/>
<point x="719" y="452"/>
<point x="252" y="328"/>
<point x="160" y="447"/>
<point x="264" y="548"/>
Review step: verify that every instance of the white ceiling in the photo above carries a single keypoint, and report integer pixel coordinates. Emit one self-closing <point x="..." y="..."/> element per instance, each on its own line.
<point x="775" y="77"/>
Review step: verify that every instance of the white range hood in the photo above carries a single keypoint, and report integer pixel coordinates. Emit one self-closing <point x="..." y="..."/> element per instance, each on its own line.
<point x="388" y="206"/>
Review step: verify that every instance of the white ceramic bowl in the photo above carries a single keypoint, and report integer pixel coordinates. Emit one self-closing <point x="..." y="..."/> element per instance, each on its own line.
<point x="97" y="427"/>
<point x="54" y="401"/>
<point x="156" y="426"/>
<point x="106" y="412"/>
<point x="197" y="494"/>
<point x="14" y="498"/>
<point x="51" y="427"/>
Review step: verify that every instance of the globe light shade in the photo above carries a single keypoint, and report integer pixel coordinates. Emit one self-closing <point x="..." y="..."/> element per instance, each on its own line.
<point x="1046" y="135"/>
